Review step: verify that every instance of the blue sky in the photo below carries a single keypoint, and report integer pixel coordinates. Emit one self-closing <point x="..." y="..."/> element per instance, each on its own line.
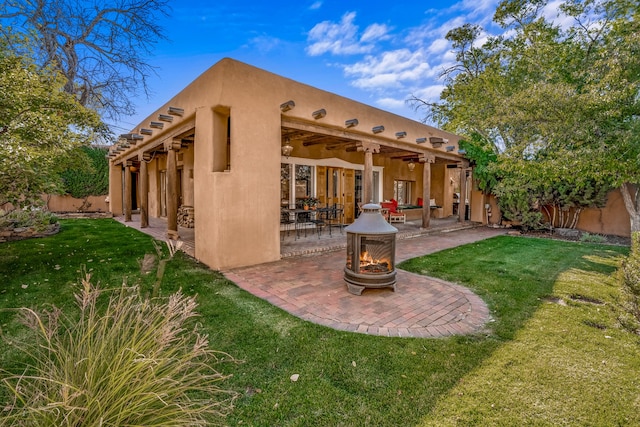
<point x="377" y="52"/>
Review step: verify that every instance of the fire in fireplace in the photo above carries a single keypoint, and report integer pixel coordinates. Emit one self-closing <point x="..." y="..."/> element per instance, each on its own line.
<point x="371" y="249"/>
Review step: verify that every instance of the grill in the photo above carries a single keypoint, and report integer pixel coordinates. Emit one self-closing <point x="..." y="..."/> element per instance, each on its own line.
<point x="371" y="250"/>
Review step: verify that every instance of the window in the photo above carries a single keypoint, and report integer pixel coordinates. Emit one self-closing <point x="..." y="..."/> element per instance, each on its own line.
<point x="304" y="183"/>
<point x="285" y="184"/>
<point x="402" y="191"/>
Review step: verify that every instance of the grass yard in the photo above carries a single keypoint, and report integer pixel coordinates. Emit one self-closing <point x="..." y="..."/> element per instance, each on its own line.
<point x="553" y="354"/>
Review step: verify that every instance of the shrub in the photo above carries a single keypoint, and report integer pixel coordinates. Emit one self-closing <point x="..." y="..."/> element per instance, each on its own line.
<point x="36" y="218"/>
<point x="592" y="238"/>
<point x="135" y="362"/>
<point x="90" y="180"/>
<point x="630" y="277"/>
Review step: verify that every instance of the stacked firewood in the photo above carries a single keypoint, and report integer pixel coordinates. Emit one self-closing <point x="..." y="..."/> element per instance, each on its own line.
<point x="186" y="217"/>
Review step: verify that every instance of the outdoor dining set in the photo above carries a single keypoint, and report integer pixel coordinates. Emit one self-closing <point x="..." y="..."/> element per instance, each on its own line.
<point x="315" y="220"/>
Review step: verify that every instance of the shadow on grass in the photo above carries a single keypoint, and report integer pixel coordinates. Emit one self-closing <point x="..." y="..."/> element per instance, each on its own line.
<point x="343" y="378"/>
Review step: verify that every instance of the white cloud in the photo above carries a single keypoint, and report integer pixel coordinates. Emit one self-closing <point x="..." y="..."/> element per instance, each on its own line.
<point x="429" y="93"/>
<point x="315" y="5"/>
<point x="375" y="32"/>
<point x="342" y="38"/>
<point x="390" y="69"/>
<point x="391" y="103"/>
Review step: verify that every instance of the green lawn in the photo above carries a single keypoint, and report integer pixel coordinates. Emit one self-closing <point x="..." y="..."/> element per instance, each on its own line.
<point x="553" y="354"/>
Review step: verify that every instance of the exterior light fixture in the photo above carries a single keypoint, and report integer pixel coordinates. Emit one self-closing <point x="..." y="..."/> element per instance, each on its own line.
<point x="286" y="106"/>
<point x="287" y="148"/>
<point x="351" y="123"/>
<point x="411" y="165"/>
<point x="401" y="134"/>
<point x="318" y="114"/>
<point x="421" y="140"/>
<point x="377" y="129"/>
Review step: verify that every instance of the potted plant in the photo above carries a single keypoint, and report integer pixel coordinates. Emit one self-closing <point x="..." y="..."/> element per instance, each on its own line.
<point x="309" y="202"/>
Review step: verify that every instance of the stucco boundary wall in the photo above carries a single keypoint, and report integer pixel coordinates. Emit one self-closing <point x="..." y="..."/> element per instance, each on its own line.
<point x="58" y="204"/>
<point x="613" y="219"/>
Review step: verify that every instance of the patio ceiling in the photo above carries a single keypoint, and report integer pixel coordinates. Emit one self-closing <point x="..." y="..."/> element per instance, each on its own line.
<point x="340" y="140"/>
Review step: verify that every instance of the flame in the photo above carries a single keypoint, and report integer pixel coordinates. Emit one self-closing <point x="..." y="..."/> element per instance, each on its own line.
<point x="367" y="259"/>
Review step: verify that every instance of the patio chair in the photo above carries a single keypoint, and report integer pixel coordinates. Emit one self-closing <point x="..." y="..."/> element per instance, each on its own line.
<point x="285" y="223"/>
<point x="395" y="214"/>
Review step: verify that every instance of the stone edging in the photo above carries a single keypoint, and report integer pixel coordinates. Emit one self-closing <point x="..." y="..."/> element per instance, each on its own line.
<point x="21" y="233"/>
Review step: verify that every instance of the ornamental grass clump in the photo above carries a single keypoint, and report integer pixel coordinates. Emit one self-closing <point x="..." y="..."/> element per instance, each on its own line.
<point x="124" y="361"/>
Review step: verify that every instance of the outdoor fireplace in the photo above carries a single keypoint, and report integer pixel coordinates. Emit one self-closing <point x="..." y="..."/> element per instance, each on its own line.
<point x="371" y="252"/>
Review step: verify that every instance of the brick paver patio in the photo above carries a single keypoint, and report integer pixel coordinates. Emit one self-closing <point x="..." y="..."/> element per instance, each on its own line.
<point x="312" y="288"/>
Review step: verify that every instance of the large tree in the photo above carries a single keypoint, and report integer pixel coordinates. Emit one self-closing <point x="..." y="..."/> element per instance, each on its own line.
<point x="40" y="128"/>
<point x="560" y="104"/>
<point x="99" y="46"/>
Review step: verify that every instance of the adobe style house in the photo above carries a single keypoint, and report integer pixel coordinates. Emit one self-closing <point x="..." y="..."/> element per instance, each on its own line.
<point x="239" y="143"/>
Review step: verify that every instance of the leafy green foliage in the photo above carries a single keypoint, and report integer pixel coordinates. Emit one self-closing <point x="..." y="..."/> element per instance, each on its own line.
<point x="630" y="279"/>
<point x="559" y="105"/>
<point x="131" y="361"/>
<point x="483" y="159"/>
<point x="91" y="180"/>
<point x="40" y="126"/>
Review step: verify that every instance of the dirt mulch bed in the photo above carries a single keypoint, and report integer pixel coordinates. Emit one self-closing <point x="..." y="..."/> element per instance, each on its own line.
<point x="608" y="239"/>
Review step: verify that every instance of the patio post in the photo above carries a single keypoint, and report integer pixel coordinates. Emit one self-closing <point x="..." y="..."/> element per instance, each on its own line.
<point x="426" y="189"/>
<point x="127" y="191"/>
<point x="462" y="204"/>
<point x="172" y="193"/>
<point x="144" y="195"/>
<point x="368" y="149"/>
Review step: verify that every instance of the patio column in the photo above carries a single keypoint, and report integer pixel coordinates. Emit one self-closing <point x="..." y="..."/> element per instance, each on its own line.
<point x="127" y="191"/>
<point x="172" y="193"/>
<point x="368" y="148"/>
<point x="144" y="195"/>
<point x="426" y="161"/>
<point x="462" y="203"/>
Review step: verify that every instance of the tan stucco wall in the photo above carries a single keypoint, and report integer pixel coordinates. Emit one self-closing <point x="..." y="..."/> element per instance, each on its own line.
<point x="115" y="189"/>
<point x="237" y="211"/>
<point x="57" y="203"/>
<point x="612" y="219"/>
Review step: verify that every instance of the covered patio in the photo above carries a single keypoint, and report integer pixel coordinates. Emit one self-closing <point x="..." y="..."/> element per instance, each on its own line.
<point x="207" y="164"/>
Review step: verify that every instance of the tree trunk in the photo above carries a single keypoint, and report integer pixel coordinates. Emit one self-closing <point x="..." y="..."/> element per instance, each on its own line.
<point x="632" y="203"/>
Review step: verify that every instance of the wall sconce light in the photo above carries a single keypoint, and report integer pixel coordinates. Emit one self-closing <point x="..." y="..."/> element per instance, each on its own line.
<point x="286" y="106"/>
<point x="421" y="140"/>
<point x="286" y="148"/>
<point x="175" y="111"/>
<point x="411" y="165"/>
<point x="351" y="123"/>
<point x="377" y="129"/>
<point x="401" y="134"/>
<point x="318" y="114"/>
